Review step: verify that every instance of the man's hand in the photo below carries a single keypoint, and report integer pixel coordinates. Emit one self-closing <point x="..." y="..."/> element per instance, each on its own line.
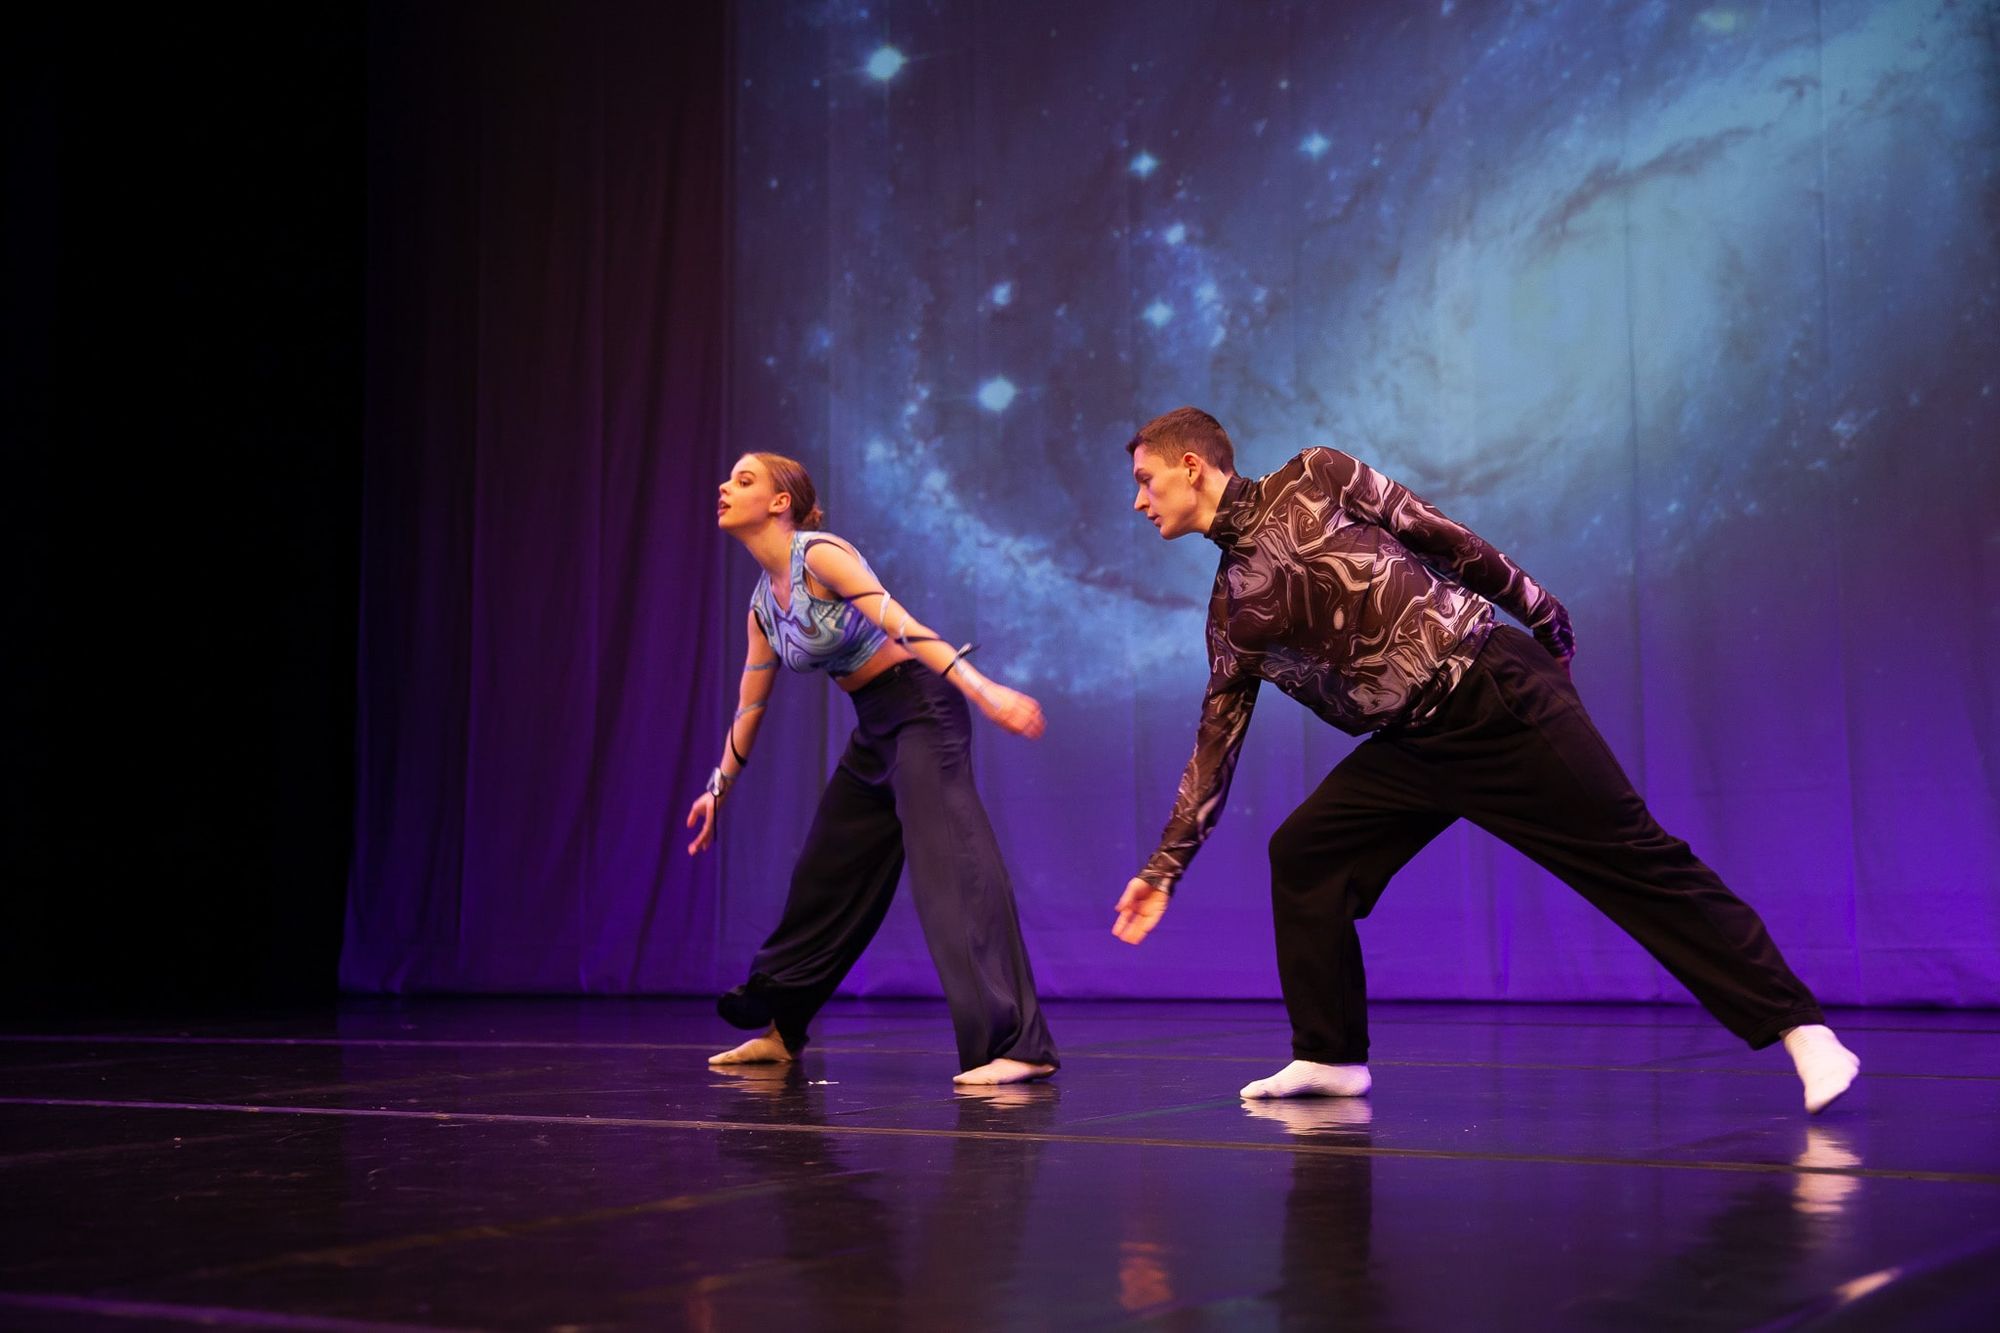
<point x="703" y="809"/>
<point x="1140" y="908"/>
<point x="1011" y="710"/>
<point x="1556" y="637"/>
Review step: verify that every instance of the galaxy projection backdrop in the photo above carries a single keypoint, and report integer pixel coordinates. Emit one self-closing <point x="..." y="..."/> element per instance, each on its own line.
<point x="1690" y="309"/>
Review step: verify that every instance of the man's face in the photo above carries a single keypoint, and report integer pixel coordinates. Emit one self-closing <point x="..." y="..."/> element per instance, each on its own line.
<point x="1167" y="495"/>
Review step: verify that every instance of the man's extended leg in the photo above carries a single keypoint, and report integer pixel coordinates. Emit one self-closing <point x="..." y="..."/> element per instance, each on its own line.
<point x="1541" y="778"/>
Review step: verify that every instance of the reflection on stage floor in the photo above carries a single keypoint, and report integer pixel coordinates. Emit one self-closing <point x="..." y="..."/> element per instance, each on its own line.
<point x="534" y="1164"/>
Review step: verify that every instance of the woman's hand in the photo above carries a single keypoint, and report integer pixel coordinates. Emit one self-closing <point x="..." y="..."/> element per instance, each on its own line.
<point x="1140" y="908"/>
<point x="703" y="809"/>
<point x="1012" y="710"/>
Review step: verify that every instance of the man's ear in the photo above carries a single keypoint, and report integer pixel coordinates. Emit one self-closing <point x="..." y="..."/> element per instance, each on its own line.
<point x="1192" y="462"/>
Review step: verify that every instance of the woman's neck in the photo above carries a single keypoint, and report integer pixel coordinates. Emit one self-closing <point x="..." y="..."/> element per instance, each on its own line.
<point x="771" y="546"/>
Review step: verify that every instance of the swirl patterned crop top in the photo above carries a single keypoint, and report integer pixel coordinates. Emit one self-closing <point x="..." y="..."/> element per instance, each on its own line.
<point x="817" y="634"/>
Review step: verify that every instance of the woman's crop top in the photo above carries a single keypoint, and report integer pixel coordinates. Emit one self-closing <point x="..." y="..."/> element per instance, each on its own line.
<point x="817" y="633"/>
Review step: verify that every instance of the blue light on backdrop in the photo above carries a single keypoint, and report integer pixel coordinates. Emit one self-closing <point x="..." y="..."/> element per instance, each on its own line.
<point x="1689" y="308"/>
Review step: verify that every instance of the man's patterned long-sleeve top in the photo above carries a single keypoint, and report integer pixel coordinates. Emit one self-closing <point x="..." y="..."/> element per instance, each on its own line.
<point x="1353" y="596"/>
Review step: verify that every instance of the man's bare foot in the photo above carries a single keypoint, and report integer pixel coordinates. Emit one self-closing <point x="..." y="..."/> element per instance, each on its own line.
<point x="763" y="1049"/>
<point x="1002" y="1070"/>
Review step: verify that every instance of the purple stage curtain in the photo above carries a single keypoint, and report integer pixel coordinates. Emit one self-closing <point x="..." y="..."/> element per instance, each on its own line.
<point x="1691" y="312"/>
<point x="546" y="332"/>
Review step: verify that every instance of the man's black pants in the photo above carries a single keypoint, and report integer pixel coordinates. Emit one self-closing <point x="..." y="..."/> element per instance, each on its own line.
<point x="1513" y="751"/>
<point x="904" y="788"/>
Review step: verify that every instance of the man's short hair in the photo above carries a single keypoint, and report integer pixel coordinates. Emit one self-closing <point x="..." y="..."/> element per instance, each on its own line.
<point x="1187" y="430"/>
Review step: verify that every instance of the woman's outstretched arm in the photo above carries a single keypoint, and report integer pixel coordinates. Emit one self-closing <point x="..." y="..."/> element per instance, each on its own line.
<point x="839" y="568"/>
<point x="760" y="669"/>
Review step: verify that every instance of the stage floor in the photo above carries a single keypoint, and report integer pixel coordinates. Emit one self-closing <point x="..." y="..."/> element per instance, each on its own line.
<point x="542" y="1164"/>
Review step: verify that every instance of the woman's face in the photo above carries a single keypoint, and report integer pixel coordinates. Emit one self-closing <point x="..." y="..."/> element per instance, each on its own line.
<point x="746" y="499"/>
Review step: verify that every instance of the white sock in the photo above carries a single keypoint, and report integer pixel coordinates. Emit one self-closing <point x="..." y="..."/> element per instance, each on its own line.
<point x="765" y="1048"/>
<point x="1825" y="1066"/>
<point x="1303" y="1078"/>
<point x="1003" y="1070"/>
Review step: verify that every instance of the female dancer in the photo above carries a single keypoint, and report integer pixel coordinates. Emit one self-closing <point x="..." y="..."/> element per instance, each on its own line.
<point x="903" y="788"/>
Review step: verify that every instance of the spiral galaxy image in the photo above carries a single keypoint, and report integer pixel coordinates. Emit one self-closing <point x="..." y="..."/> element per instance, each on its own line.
<point x="1691" y="310"/>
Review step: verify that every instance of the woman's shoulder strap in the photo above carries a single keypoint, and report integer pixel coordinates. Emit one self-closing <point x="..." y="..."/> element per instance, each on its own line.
<point x="805" y="541"/>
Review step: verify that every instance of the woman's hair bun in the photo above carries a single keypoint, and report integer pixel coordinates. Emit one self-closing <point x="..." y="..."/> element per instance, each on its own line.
<point x="789" y="476"/>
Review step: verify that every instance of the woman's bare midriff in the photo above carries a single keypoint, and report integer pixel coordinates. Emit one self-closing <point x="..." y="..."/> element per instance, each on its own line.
<point x="885" y="657"/>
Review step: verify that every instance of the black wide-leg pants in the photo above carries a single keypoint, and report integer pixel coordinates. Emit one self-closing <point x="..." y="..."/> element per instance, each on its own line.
<point x="1513" y="751"/>
<point x="903" y="790"/>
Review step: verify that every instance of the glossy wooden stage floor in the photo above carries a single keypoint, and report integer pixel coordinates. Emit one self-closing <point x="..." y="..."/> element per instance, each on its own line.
<point x="573" y="1164"/>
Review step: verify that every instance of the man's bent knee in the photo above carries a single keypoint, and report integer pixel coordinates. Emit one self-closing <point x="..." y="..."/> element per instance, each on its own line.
<point x="1289" y="846"/>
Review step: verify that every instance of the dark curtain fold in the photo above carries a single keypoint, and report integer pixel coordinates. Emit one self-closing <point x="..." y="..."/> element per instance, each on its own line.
<point x="547" y="320"/>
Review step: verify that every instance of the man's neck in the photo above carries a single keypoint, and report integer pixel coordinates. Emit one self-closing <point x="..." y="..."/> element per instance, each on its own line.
<point x="1209" y="490"/>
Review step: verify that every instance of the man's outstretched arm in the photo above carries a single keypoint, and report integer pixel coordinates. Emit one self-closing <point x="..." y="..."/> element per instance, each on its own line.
<point x="1443" y="544"/>
<point x="1225" y="717"/>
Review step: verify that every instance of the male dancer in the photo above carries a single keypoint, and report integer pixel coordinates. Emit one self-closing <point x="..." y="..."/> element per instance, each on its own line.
<point x="1374" y="610"/>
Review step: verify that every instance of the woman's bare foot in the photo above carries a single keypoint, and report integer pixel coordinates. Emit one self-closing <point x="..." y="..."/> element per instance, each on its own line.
<point x="1003" y="1071"/>
<point x="763" y="1049"/>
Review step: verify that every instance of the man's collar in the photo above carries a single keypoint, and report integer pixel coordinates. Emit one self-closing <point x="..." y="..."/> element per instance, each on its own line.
<point x="1233" y="511"/>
